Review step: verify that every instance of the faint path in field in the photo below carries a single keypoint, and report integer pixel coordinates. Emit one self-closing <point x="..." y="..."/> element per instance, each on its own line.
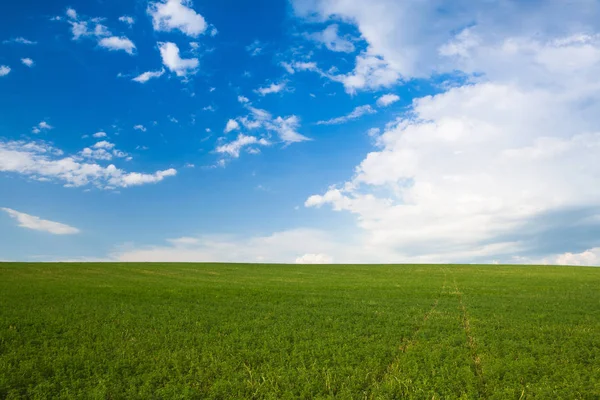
<point x="409" y="341"/>
<point x="471" y="342"/>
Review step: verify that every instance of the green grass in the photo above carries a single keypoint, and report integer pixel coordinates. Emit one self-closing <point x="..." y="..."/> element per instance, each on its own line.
<point x="222" y="331"/>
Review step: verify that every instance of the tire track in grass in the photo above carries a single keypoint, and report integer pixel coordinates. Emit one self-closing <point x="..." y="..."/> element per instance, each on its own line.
<point x="471" y="342"/>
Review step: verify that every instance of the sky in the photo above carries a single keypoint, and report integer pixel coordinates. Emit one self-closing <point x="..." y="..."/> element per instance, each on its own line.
<point x="302" y="131"/>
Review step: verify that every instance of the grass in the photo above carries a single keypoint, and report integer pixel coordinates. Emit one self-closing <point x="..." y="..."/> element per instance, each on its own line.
<point x="222" y="331"/>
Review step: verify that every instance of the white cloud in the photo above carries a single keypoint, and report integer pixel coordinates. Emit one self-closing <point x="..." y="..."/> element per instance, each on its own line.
<point x="233" y="148"/>
<point x="171" y="59"/>
<point x="355" y="114"/>
<point x="38" y="224"/>
<point x="146" y="76"/>
<point x="255" y="48"/>
<point x="19" y="40"/>
<point x="589" y="257"/>
<point x="27" y="61"/>
<point x="286" y="128"/>
<point x="486" y="169"/>
<point x="44" y="125"/>
<point x="273" y="88"/>
<point x="99" y="134"/>
<point x="4" y="70"/>
<point x="41" y="161"/>
<point x="81" y="27"/>
<point x="208" y="108"/>
<point x="387" y="99"/>
<point x="96" y="154"/>
<point x="140" y="128"/>
<point x="169" y="15"/>
<point x="71" y="13"/>
<point x="310" y="258"/>
<point x="243" y="99"/>
<point x="118" y="43"/>
<point x="231" y="126"/>
<point x="533" y="159"/>
<point x="184" y="241"/>
<point x="40" y="127"/>
<point x="330" y="38"/>
<point x="370" y="72"/>
<point x="127" y="19"/>
<point x="104" y="145"/>
<point x="103" y="150"/>
<point x="280" y="247"/>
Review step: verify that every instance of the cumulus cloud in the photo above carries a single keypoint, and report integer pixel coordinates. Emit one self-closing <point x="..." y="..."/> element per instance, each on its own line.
<point x="172" y="60"/>
<point x="233" y="148"/>
<point x="38" y="160"/>
<point x="140" y="128"/>
<point x="232" y="125"/>
<point x="146" y="76"/>
<point x="27" y="62"/>
<point x="272" y="88"/>
<point x="99" y="134"/>
<point x="524" y="118"/>
<point x="42" y="126"/>
<point x="127" y="19"/>
<point x="387" y="99"/>
<point x="4" y="70"/>
<point x="38" y="224"/>
<point x="589" y="257"/>
<point x="243" y="99"/>
<point x="331" y="39"/>
<point x="115" y="43"/>
<point x="71" y="13"/>
<point x="169" y="15"/>
<point x="355" y="114"/>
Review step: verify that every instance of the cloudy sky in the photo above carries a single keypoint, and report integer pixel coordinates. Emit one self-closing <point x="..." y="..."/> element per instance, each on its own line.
<point x="305" y="131"/>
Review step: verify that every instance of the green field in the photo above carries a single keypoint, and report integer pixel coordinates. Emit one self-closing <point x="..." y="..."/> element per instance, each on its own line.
<point x="221" y="331"/>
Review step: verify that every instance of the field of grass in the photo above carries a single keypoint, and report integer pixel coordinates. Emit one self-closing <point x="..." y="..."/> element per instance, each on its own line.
<point x="222" y="331"/>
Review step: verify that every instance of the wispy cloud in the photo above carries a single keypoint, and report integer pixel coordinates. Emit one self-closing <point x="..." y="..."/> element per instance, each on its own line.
<point x="146" y="76"/>
<point x="233" y="148"/>
<point x="36" y="223"/>
<point x="355" y="114"/>
<point x="272" y="88"/>
<point x="255" y="48"/>
<point x="19" y="40"/>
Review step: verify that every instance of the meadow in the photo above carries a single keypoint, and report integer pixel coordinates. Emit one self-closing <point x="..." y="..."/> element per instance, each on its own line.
<point x="233" y="331"/>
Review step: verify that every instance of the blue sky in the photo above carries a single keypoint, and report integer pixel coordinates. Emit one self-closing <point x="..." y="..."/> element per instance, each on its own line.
<point x="302" y="131"/>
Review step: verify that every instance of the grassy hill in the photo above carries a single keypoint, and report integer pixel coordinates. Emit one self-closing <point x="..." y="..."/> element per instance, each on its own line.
<point x="220" y="331"/>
